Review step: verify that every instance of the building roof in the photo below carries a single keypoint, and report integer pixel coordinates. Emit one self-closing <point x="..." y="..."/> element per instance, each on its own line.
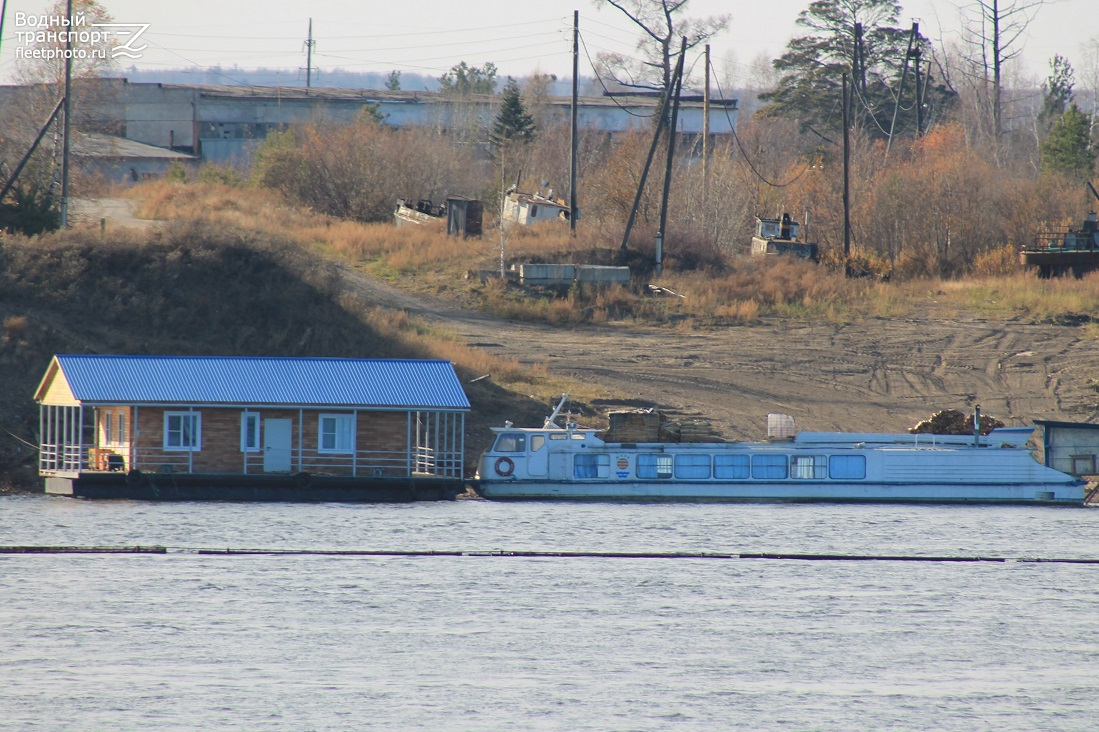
<point x="1068" y="425"/>
<point x="97" y="145"/>
<point x="271" y="381"/>
<point x="534" y="198"/>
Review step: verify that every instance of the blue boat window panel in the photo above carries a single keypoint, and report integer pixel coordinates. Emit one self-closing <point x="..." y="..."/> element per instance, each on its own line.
<point x="809" y="467"/>
<point x="768" y="467"/>
<point x="847" y="467"/>
<point x="653" y="465"/>
<point x="731" y="467"/>
<point x="511" y="442"/>
<point x="591" y="466"/>
<point x="692" y="466"/>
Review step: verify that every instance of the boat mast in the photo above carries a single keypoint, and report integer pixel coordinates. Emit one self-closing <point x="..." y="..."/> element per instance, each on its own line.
<point x="551" y="421"/>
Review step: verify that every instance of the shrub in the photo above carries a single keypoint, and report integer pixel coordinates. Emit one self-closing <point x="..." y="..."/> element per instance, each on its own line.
<point x="176" y="173"/>
<point x="223" y="174"/>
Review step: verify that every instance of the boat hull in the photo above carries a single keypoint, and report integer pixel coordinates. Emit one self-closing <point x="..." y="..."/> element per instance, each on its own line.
<point x="1069" y="494"/>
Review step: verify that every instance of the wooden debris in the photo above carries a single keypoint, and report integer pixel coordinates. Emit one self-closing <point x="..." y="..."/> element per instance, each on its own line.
<point x="954" y="422"/>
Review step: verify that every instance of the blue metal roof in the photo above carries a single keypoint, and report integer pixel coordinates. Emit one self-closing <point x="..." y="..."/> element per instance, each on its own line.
<point x="194" y="380"/>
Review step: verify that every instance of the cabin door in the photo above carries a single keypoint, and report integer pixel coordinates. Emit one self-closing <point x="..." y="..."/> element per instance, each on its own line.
<point x="537" y="455"/>
<point x="276" y="445"/>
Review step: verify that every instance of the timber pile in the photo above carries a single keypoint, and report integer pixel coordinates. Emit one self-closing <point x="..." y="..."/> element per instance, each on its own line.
<point x="953" y="422"/>
<point x="697" y="431"/>
<point x="642" y="425"/>
<point x="648" y="425"/>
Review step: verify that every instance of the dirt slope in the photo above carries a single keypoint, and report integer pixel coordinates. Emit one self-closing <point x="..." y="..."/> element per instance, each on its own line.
<point x="869" y="375"/>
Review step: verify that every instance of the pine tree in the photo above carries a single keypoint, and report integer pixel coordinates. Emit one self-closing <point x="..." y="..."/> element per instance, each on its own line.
<point x="1056" y="94"/>
<point x="813" y="65"/>
<point x="1067" y="148"/>
<point x="513" y="123"/>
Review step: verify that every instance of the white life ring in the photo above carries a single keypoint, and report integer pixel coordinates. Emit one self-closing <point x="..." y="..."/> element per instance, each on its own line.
<point x="505" y="466"/>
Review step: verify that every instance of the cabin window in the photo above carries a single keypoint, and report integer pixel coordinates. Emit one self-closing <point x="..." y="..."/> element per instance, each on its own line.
<point x="511" y="442"/>
<point x="768" y="467"/>
<point x="731" y="467"/>
<point x="847" y="467"/>
<point x="536" y="442"/>
<point x="337" y="433"/>
<point x="809" y="467"/>
<point x="249" y="431"/>
<point x="1083" y="464"/>
<point x="650" y="465"/>
<point x="533" y="211"/>
<point x="108" y="432"/>
<point x="591" y="466"/>
<point x="120" y="434"/>
<point x="692" y="466"/>
<point x="182" y="431"/>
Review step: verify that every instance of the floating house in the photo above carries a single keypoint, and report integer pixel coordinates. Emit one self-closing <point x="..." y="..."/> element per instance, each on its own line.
<point x="251" y="428"/>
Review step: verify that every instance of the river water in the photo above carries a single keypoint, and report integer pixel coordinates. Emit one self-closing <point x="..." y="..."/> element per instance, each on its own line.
<point x="186" y="641"/>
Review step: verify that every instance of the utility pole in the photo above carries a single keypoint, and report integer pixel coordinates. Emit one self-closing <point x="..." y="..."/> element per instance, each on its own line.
<point x="3" y="12"/>
<point x="68" y="117"/>
<point x="677" y="82"/>
<point x="919" y="95"/>
<point x="706" y="132"/>
<point x="910" y="53"/>
<point x="309" y="44"/>
<point x="572" y="116"/>
<point x="846" y="183"/>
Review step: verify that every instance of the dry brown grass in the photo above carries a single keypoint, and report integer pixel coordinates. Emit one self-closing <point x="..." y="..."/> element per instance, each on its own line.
<point x="741" y="290"/>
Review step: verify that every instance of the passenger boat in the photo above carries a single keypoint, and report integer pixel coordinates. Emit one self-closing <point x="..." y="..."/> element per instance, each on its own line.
<point x="575" y="463"/>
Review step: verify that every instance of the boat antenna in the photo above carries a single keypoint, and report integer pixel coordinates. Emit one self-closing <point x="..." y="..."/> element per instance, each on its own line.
<point x="551" y="421"/>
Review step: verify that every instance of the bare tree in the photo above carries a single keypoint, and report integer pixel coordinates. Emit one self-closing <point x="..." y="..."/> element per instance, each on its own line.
<point x="662" y="24"/>
<point x="1089" y="77"/>
<point x="992" y="30"/>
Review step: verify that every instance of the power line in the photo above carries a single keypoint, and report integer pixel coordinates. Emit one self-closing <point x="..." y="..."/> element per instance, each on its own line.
<point x="602" y="84"/>
<point x="744" y="152"/>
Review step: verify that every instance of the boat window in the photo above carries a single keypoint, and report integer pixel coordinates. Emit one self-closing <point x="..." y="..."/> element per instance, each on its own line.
<point x="591" y="466"/>
<point x="692" y="466"/>
<point x="536" y="442"/>
<point x="731" y="466"/>
<point x="847" y="467"/>
<point x="768" y="466"/>
<point x="511" y="442"/>
<point x="559" y="436"/>
<point x="809" y="467"/>
<point x="652" y="465"/>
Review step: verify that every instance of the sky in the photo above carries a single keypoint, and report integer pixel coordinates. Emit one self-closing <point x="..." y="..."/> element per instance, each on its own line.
<point x="520" y="37"/>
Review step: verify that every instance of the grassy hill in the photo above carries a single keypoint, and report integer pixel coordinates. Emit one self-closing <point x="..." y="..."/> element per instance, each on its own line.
<point x="193" y="288"/>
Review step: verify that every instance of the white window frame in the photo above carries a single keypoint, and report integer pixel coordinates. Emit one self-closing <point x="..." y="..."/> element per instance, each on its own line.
<point x="108" y="427"/>
<point x="349" y="432"/>
<point x="249" y="433"/>
<point x="120" y="429"/>
<point x="196" y="431"/>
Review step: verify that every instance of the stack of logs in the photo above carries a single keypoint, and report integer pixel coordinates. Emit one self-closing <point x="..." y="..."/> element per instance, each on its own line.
<point x="651" y="426"/>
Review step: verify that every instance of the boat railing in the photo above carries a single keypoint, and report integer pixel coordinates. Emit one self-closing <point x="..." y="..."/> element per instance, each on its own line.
<point x="1065" y="240"/>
